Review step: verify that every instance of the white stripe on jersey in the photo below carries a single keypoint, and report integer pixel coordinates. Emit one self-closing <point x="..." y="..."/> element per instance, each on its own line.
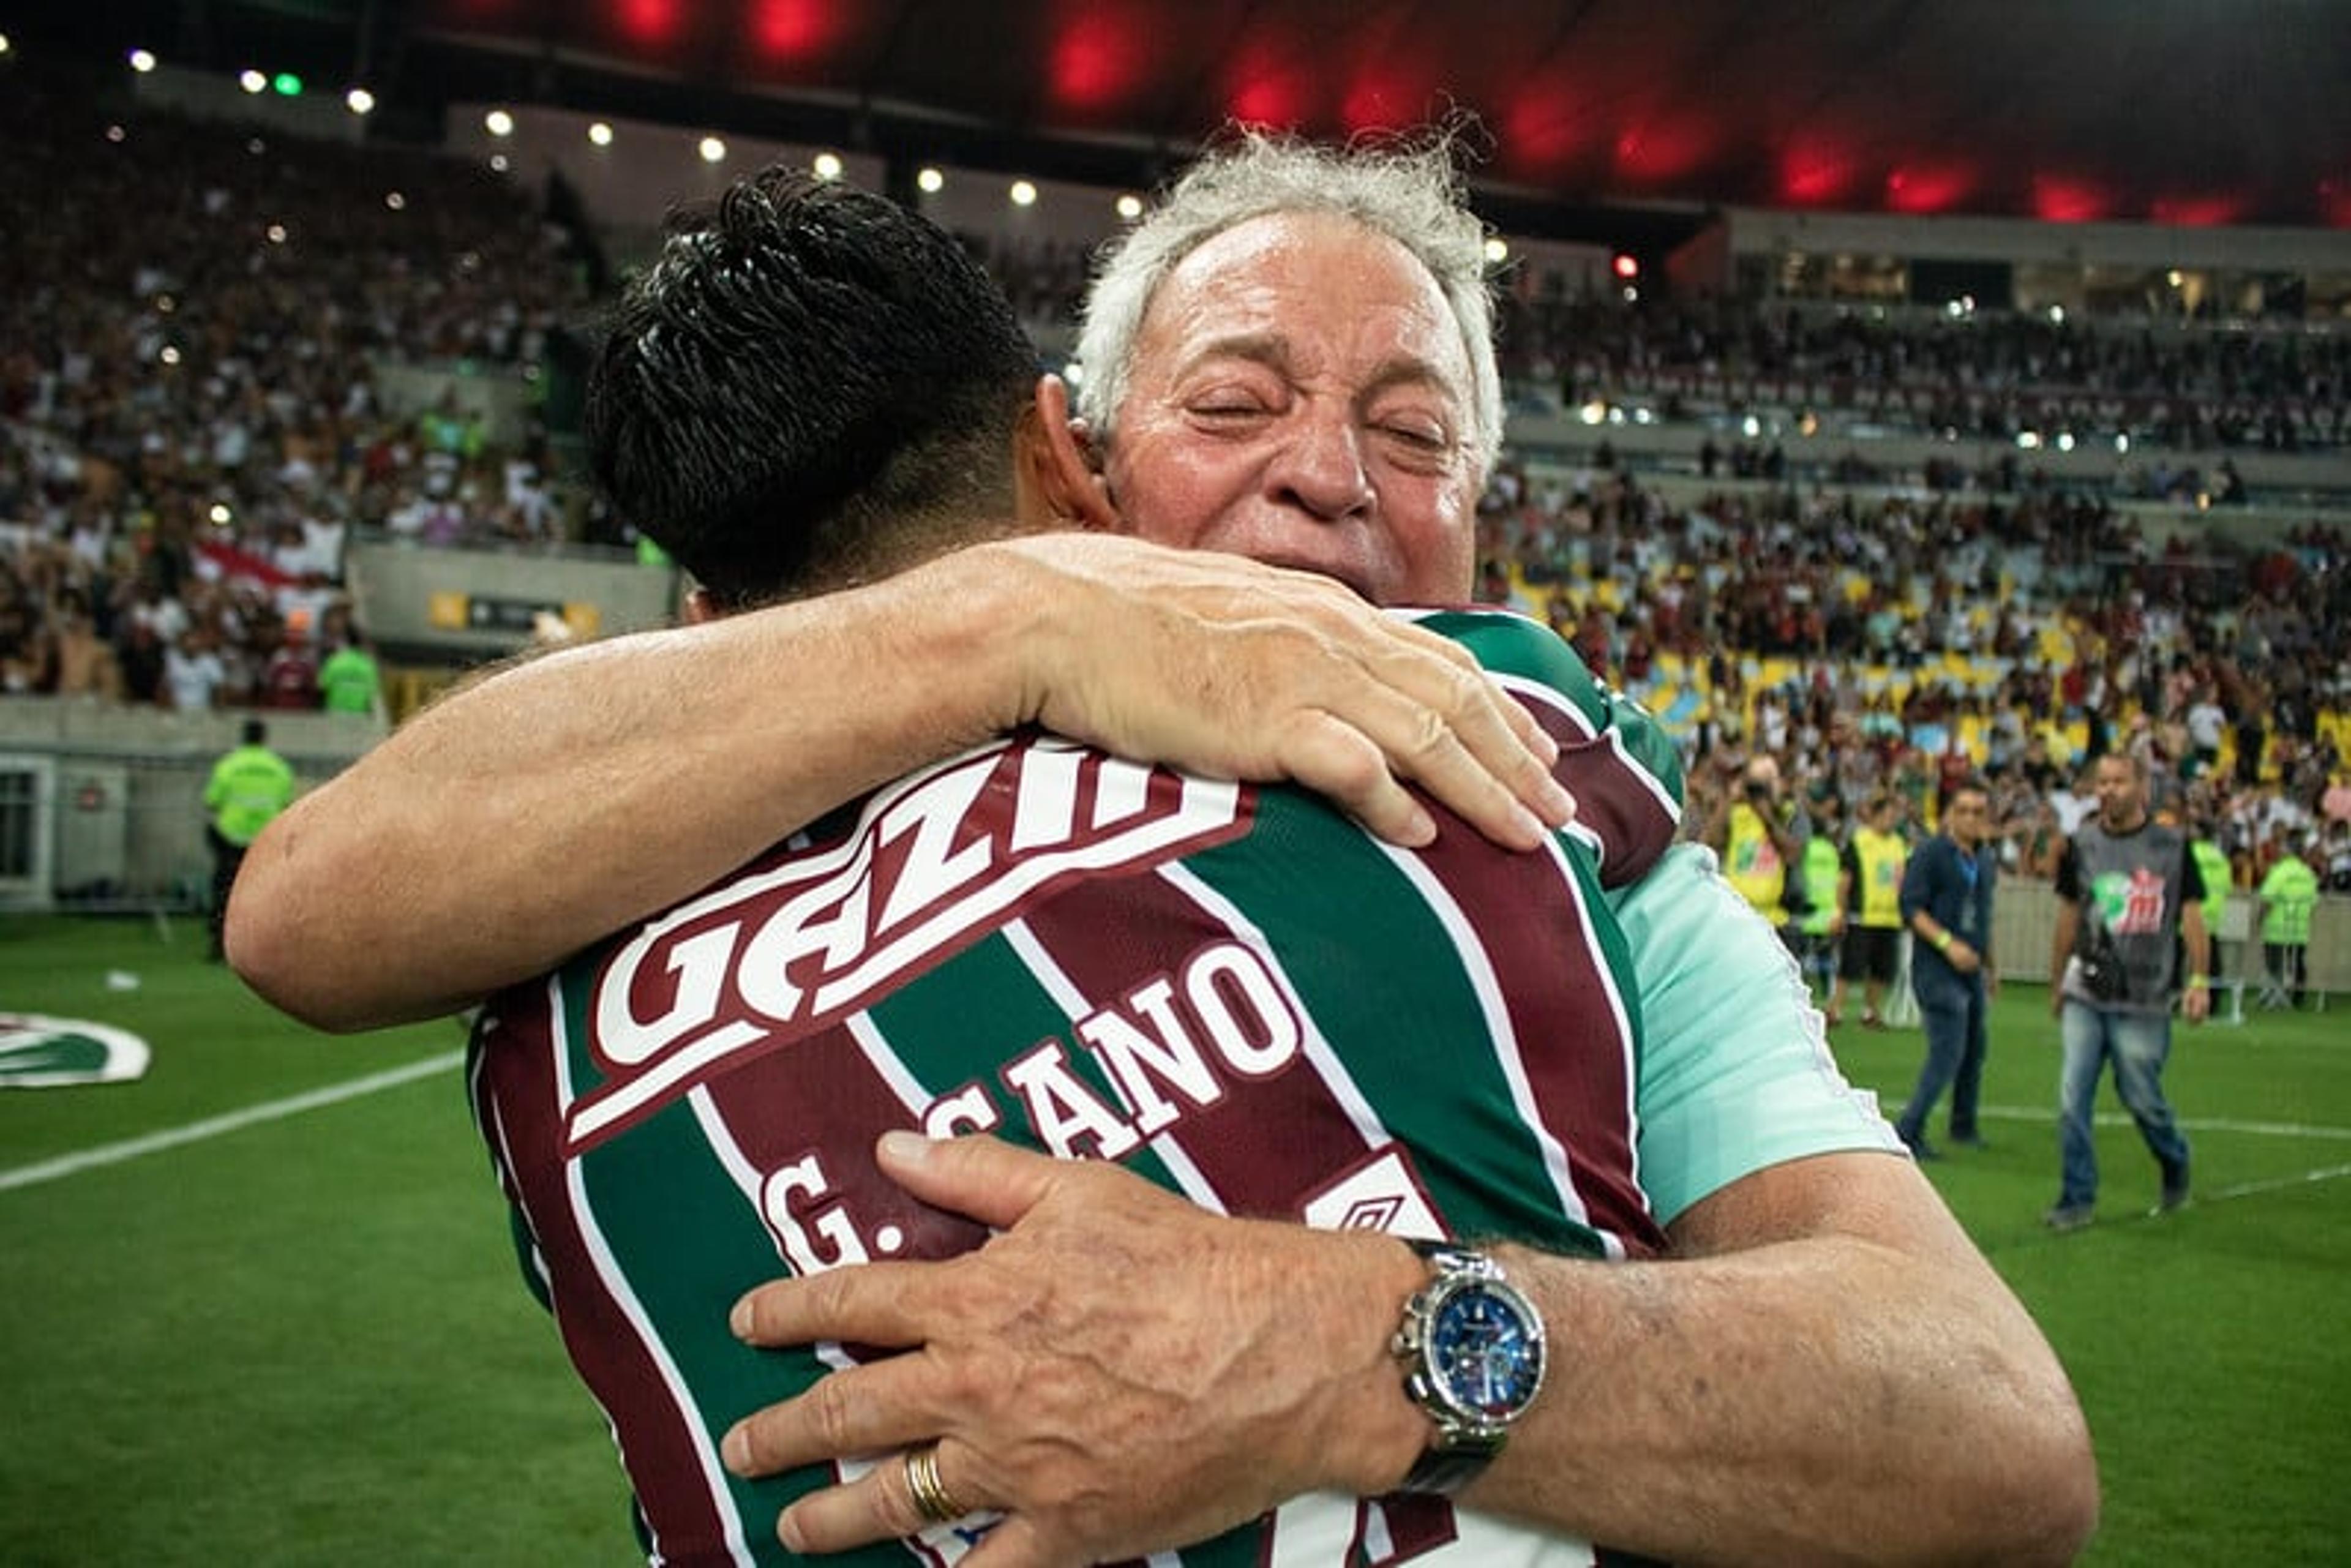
<point x="1328" y="1066"/>
<point x="616" y="1284"/>
<point x="1074" y="1004"/>
<point x="1477" y="968"/>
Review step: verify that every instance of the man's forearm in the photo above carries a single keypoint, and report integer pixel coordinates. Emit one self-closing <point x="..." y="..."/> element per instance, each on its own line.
<point x="1821" y="1399"/>
<point x="505" y="828"/>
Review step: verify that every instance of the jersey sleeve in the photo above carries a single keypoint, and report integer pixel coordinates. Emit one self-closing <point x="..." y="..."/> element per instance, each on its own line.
<point x="1736" y="1073"/>
<point x="1622" y="769"/>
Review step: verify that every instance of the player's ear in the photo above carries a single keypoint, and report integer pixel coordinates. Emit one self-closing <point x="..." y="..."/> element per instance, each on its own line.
<point x="1069" y="471"/>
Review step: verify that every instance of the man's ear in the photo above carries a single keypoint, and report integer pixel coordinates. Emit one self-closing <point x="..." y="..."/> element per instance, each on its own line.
<point x="1060" y="460"/>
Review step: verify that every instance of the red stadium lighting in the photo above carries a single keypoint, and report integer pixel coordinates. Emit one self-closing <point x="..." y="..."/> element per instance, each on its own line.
<point x="1815" y="176"/>
<point x="1096" y="61"/>
<point x="648" y="21"/>
<point x="1914" y="188"/>
<point x="2198" y="212"/>
<point x="790" y="29"/>
<point x="1625" y="266"/>
<point x="2059" y="200"/>
<point x="1541" y="132"/>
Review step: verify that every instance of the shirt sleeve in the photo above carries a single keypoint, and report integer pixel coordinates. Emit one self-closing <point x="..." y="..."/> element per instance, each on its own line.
<point x="2069" y="874"/>
<point x="1736" y="1073"/>
<point x="1917" y="881"/>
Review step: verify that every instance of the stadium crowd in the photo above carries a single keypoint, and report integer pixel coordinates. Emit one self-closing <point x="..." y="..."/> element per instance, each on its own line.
<point x="191" y="422"/>
<point x="189" y="415"/>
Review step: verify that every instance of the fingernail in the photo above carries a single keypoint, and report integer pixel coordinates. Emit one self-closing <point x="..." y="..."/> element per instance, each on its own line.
<point x="739" y="1320"/>
<point x="788" y="1531"/>
<point x="1546" y="746"/>
<point x="905" y="1148"/>
<point x="1419" y="829"/>
<point x="1532" y="829"/>
<point x="735" y="1449"/>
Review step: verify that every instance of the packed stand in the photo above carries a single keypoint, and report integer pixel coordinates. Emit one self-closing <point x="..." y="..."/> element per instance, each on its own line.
<point x="1900" y="642"/>
<point x="190" y="423"/>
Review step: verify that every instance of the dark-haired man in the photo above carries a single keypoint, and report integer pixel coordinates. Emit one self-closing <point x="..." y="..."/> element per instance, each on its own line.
<point x="1947" y="898"/>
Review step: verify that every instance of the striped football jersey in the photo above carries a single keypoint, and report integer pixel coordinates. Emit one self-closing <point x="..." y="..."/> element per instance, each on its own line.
<point x="1232" y="991"/>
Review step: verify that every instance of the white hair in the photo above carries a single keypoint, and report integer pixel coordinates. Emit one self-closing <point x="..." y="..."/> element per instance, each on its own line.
<point x="1410" y="193"/>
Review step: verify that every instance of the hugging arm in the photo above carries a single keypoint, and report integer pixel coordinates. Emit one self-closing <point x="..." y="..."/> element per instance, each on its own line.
<point x="1823" y="1370"/>
<point x="515" y="822"/>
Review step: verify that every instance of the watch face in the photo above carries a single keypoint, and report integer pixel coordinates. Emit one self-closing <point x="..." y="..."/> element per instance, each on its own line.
<point x="1486" y="1352"/>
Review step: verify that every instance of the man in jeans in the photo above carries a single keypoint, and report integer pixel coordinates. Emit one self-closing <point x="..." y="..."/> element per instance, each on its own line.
<point x="1946" y="904"/>
<point x="2129" y="903"/>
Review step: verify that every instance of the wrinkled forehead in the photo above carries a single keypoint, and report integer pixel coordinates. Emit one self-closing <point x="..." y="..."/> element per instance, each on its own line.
<point x="1337" y="294"/>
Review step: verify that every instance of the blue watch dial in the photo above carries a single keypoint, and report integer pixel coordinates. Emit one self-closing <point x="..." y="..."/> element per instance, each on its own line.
<point x="1485" y="1354"/>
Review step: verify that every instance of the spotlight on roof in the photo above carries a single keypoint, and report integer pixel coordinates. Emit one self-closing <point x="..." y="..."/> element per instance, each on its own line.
<point x="827" y="166"/>
<point x="714" y="150"/>
<point x="498" y="122"/>
<point x="1023" y="193"/>
<point x="1130" y="208"/>
<point x="252" y="81"/>
<point x="359" y="100"/>
<point x="600" y="134"/>
<point x="1497" y="250"/>
<point x="929" y="181"/>
<point x="142" y="61"/>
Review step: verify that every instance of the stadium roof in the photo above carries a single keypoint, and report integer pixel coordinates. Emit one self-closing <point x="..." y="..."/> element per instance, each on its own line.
<point x="2179" y="111"/>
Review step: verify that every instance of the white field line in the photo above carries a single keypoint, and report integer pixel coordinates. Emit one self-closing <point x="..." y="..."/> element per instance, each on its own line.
<point x="213" y="1126"/>
<point x="335" y="1094"/>
<point x="2192" y="1123"/>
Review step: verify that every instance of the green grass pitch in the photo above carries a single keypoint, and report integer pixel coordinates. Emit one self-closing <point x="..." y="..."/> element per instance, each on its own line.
<point x="301" y="1339"/>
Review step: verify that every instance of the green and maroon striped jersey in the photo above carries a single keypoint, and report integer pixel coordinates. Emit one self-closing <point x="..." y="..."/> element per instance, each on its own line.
<point x="1233" y="991"/>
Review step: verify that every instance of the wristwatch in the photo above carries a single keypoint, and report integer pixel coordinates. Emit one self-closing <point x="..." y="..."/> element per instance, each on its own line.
<point x="1471" y="1349"/>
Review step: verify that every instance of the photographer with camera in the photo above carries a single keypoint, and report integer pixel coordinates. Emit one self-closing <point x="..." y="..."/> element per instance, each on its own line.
<point x="2129" y="903"/>
<point x="1750" y="831"/>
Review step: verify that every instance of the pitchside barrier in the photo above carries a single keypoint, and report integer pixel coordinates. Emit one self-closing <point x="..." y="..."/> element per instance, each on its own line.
<point x="101" y="805"/>
<point x="2024" y="918"/>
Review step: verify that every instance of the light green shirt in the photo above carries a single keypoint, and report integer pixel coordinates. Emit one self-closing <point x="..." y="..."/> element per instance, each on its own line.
<point x="2288" y="894"/>
<point x="247" y="787"/>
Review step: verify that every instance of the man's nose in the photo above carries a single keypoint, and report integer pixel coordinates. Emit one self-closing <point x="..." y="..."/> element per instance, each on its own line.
<point x="1321" y="469"/>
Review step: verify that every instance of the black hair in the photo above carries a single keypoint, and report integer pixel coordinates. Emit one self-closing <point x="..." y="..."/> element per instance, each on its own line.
<point x="808" y="383"/>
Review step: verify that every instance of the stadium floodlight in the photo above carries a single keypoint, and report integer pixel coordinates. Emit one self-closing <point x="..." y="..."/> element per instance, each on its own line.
<point x="714" y="150"/>
<point x="600" y="134"/>
<point x="498" y="122"/>
<point x="1023" y="193"/>
<point x="252" y="81"/>
<point x="827" y="166"/>
<point x="359" y="100"/>
<point x="142" y="60"/>
<point x="1130" y="208"/>
<point x="930" y="181"/>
